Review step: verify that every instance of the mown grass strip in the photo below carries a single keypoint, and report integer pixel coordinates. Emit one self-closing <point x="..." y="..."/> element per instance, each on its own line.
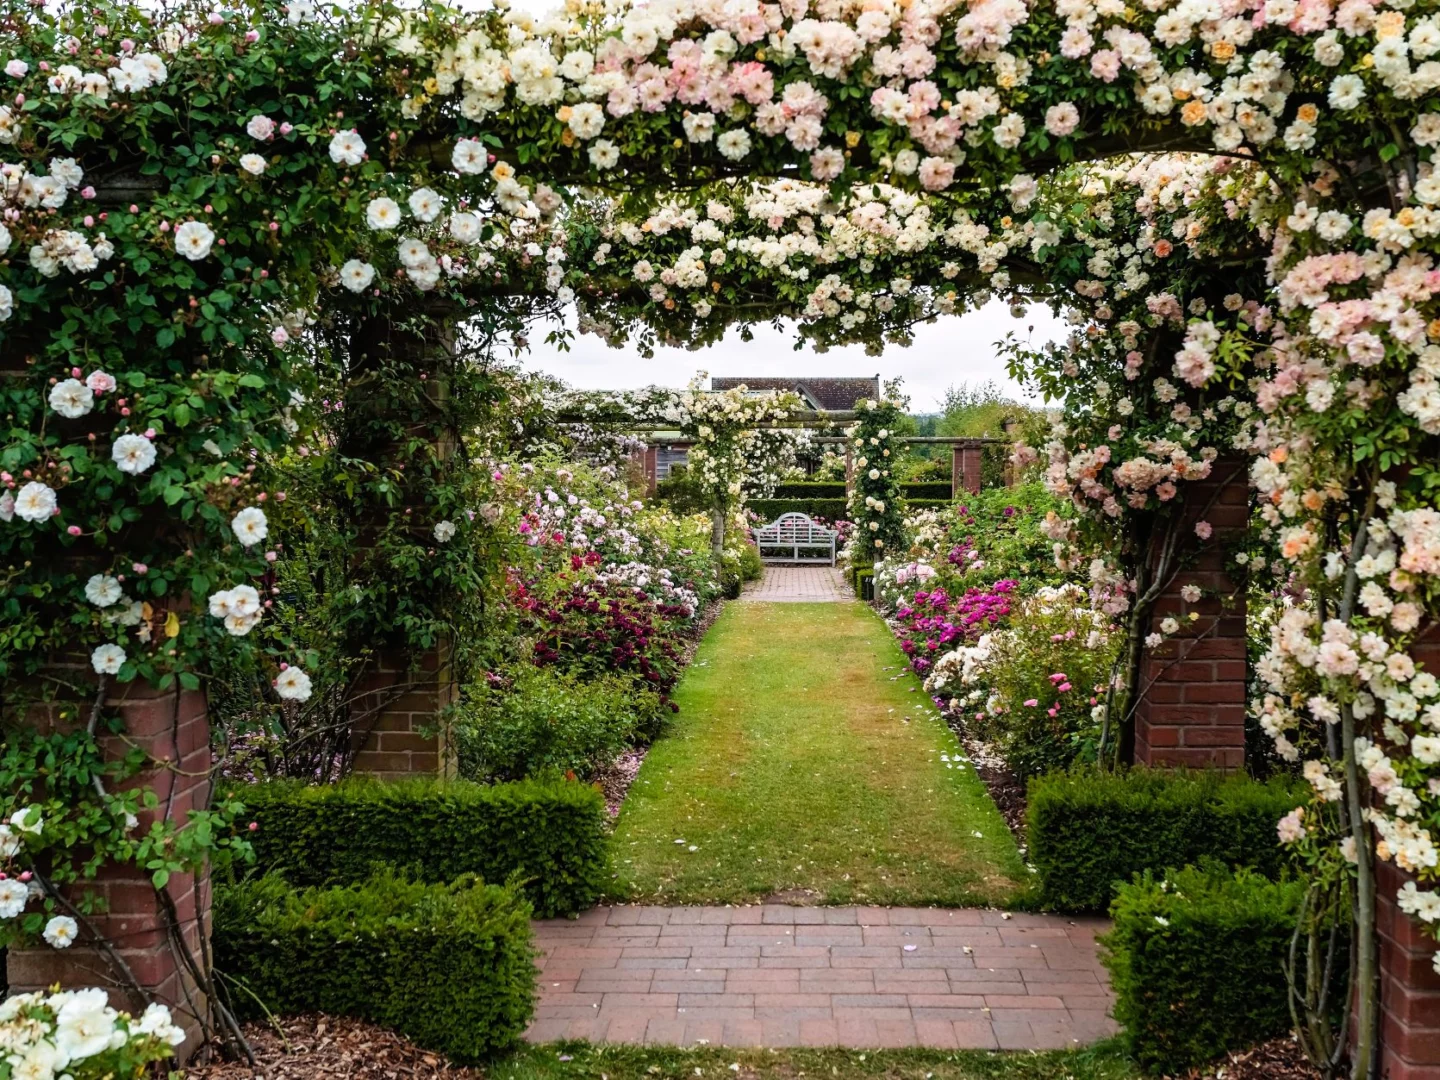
<point x="582" y="1061"/>
<point x="807" y="765"/>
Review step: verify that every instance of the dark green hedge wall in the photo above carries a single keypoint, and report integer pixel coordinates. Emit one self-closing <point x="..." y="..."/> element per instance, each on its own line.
<point x="1088" y="830"/>
<point x="830" y="510"/>
<point x="550" y="834"/>
<point x="835" y="489"/>
<point x="1196" y="960"/>
<point x="449" y="965"/>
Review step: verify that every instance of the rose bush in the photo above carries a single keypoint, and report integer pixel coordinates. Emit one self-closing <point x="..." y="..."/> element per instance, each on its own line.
<point x="1032" y="687"/>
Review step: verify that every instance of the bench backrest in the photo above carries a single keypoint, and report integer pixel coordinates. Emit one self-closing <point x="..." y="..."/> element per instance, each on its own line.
<point x="794" y="528"/>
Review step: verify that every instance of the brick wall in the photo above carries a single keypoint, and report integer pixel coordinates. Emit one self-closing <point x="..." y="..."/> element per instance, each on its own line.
<point x="1409" y="987"/>
<point x="965" y="465"/>
<point x="400" y="708"/>
<point x="172" y="727"/>
<point x="1192" y="709"/>
<point x="1409" y="984"/>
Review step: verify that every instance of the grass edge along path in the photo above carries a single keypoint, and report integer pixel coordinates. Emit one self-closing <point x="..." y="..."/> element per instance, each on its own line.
<point x="584" y="1061"/>
<point x="807" y="765"/>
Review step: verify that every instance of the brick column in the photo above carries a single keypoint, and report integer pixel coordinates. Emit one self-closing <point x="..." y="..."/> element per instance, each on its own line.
<point x="1409" y="984"/>
<point x="171" y="726"/>
<point x="965" y="464"/>
<point x="398" y="706"/>
<point x="1192" y="706"/>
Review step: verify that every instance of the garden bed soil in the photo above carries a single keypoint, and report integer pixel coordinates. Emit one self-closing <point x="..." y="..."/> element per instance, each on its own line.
<point x="1005" y="788"/>
<point x="324" y="1047"/>
<point x="614" y="780"/>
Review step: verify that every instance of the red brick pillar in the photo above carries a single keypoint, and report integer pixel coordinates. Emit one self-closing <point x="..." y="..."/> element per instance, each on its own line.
<point x="1409" y="984"/>
<point x="172" y="727"/>
<point x="965" y="464"/>
<point x="1191" y="709"/>
<point x="399" y="711"/>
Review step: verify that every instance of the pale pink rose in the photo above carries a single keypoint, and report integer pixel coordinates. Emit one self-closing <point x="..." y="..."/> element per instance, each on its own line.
<point x="936" y="174"/>
<point x="1105" y="65"/>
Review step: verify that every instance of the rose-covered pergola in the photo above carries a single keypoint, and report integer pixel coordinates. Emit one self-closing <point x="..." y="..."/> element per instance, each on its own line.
<point x="204" y="211"/>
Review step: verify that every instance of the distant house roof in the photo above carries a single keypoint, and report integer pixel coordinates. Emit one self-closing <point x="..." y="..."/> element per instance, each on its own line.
<point x="833" y="395"/>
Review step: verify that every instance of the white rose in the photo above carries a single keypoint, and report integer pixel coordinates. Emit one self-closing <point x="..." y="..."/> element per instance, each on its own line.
<point x="106" y="659"/>
<point x="35" y="502"/>
<point x="356" y="275"/>
<point x="71" y="398"/>
<point x="133" y="454"/>
<point x="293" y="684"/>
<point x="347" y="148"/>
<point x="250" y="526"/>
<point x="382" y="213"/>
<point x="193" y="239"/>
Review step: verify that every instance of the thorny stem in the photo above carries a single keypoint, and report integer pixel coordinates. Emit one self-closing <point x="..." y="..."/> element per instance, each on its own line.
<point x="112" y="956"/>
<point x="1367" y="974"/>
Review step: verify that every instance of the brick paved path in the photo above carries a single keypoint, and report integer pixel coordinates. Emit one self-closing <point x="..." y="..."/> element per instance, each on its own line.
<point x="798" y="583"/>
<point x="773" y="975"/>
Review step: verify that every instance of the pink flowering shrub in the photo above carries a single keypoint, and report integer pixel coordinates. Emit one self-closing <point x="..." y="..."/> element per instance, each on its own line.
<point x="934" y="622"/>
<point x="1035" y="687"/>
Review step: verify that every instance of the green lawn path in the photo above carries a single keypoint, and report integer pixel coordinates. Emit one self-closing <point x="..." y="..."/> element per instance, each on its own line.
<point x="805" y="765"/>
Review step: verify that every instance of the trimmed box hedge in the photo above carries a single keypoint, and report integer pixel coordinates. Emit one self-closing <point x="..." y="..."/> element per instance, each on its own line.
<point x="927" y="491"/>
<point x="835" y="489"/>
<point x="831" y="510"/>
<point x="1195" y="961"/>
<point x="449" y="965"/>
<point x="810" y="489"/>
<point x="1088" y="830"/>
<point x="548" y="834"/>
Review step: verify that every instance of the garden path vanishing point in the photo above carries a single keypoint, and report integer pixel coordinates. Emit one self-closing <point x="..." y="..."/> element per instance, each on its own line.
<point x="807" y="767"/>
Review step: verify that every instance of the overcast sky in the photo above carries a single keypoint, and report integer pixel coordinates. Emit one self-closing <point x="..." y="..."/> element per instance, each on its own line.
<point x="946" y="353"/>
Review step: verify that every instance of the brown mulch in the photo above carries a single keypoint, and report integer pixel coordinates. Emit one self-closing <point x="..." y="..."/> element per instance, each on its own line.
<point x="1278" y="1059"/>
<point x="311" y="1047"/>
<point x="615" y="779"/>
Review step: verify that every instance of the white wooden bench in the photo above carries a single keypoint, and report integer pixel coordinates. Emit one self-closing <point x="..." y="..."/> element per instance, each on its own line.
<point x="797" y="532"/>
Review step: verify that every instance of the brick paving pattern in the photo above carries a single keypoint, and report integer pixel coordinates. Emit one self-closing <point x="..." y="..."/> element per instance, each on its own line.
<point x="813" y="584"/>
<point x="773" y="975"/>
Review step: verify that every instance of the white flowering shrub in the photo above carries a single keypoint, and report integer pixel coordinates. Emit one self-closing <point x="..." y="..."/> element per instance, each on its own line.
<point x="1033" y="686"/>
<point x="76" y="1033"/>
<point x="875" y="505"/>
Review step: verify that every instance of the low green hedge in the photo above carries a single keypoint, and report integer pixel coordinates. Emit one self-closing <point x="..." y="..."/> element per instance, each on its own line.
<point x="449" y="965"/>
<point x="831" y="510"/>
<point x="549" y="834"/>
<point x="863" y="581"/>
<point x="1195" y="963"/>
<point x="1088" y="830"/>
<point x="927" y="491"/>
<point x="835" y="489"/>
<point x="810" y="489"/>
